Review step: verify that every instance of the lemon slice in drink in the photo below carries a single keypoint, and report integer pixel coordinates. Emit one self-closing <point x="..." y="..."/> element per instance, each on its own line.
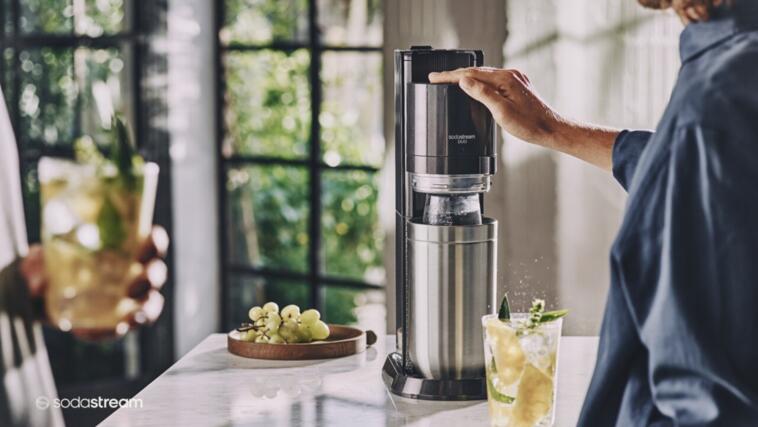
<point x="506" y="349"/>
<point x="534" y="397"/>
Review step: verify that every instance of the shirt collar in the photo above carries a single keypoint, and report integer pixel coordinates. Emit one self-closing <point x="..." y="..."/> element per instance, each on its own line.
<point x="701" y="36"/>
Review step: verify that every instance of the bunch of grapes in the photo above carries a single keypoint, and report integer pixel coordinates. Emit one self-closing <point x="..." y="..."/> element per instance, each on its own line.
<point x="269" y="325"/>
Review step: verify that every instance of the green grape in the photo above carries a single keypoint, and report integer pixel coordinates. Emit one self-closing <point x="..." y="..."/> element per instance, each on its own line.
<point x="290" y="312"/>
<point x="309" y="317"/>
<point x="247" y="335"/>
<point x="319" y="330"/>
<point x="271" y="307"/>
<point x="255" y="313"/>
<point x="275" y="339"/>
<point x="303" y="333"/>
<point x="260" y="322"/>
<point x="261" y="339"/>
<point x="270" y="329"/>
<point x="273" y="321"/>
<point x="288" y="332"/>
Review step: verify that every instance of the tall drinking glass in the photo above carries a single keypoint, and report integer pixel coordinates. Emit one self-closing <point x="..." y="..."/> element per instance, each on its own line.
<point x="93" y="222"/>
<point x="521" y="365"/>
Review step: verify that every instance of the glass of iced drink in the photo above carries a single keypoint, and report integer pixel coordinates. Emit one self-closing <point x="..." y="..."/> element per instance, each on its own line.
<point x="93" y="221"/>
<point x="521" y="362"/>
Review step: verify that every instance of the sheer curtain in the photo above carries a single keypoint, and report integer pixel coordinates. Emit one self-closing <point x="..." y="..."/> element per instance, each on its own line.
<point x="12" y="229"/>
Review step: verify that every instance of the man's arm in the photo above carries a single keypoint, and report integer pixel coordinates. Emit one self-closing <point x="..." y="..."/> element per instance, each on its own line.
<point x="518" y="109"/>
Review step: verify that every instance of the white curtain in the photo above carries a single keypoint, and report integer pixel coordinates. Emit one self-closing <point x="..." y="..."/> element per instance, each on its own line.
<point x="12" y="230"/>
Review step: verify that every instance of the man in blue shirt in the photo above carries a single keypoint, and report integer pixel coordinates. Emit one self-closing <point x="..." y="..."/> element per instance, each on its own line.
<point x="678" y="344"/>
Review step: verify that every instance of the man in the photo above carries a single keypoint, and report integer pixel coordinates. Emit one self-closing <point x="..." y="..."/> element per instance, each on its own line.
<point x="25" y="372"/>
<point x="678" y="341"/>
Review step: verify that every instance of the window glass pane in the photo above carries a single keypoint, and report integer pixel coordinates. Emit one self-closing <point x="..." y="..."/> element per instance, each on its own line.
<point x="268" y="216"/>
<point x="248" y="291"/>
<point x="351" y="112"/>
<point x="7" y="21"/>
<point x="350" y="22"/>
<point x="100" y="16"/>
<point x="364" y="308"/>
<point x="103" y="84"/>
<point x="58" y="89"/>
<point x="265" y="21"/>
<point x="352" y="238"/>
<point x="87" y="17"/>
<point x="48" y="16"/>
<point x="47" y="95"/>
<point x="268" y="103"/>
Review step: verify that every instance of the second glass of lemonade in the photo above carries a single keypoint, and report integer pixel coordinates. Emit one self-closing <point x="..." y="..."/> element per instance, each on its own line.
<point x="93" y="222"/>
<point x="521" y="365"/>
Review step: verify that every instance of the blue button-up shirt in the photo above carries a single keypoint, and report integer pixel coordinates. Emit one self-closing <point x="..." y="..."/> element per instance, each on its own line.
<point x="679" y="339"/>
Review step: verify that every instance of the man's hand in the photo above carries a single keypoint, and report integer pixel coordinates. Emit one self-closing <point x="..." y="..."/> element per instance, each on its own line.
<point x="519" y="110"/>
<point x="144" y="289"/>
<point x="511" y="99"/>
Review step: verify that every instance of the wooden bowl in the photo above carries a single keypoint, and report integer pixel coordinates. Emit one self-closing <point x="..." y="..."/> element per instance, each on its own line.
<point x="343" y="341"/>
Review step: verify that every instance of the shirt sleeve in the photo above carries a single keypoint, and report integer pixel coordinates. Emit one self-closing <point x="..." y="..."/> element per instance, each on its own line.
<point x="627" y="150"/>
<point x="700" y="320"/>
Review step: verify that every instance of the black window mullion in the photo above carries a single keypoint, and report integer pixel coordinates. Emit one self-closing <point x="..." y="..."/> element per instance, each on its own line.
<point x="15" y="111"/>
<point x="221" y="166"/>
<point x="135" y="51"/>
<point x="283" y="161"/>
<point x="290" y="47"/>
<point x="14" y="108"/>
<point x="314" y="225"/>
<point x="268" y="273"/>
<point x="70" y="40"/>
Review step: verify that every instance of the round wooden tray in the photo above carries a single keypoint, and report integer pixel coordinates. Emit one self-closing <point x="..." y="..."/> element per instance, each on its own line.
<point x="343" y="341"/>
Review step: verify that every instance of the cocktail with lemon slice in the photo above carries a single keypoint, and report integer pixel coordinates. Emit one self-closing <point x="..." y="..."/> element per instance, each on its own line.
<point x="521" y="353"/>
<point x="95" y="212"/>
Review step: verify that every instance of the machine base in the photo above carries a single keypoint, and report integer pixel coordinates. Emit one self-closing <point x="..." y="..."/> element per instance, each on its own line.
<point x="406" y="385"/>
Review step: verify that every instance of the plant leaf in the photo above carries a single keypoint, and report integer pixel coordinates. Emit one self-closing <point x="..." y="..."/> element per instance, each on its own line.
<point x="122" y="153"/>
<point x="549" y="316"/>
<point x="504" y="313"/>
<point x="110" y="226"/>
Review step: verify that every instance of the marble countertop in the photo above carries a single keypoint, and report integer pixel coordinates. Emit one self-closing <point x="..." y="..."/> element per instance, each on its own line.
<point x="211" y="387"/>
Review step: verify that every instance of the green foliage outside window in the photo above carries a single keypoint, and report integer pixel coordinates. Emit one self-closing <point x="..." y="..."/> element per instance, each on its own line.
<point x="268" y="113"/>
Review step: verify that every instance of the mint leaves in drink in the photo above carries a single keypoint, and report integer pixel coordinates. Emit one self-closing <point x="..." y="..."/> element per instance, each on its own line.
<point x="537" y="313"/>
<point x="504" y="313"/>
<point x="119" y="173"/>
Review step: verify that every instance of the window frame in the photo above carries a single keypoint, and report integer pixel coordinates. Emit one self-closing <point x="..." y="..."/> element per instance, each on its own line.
<point x="141" y="21"/>
<point x="313" y="277"/>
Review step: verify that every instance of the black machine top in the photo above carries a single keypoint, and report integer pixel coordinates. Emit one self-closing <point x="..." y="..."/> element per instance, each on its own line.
<point x="442" y="130"/>
<point x="422" y="60"/>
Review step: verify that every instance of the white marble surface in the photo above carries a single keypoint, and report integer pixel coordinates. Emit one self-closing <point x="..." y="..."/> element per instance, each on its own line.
<point x="210" y="387"/>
